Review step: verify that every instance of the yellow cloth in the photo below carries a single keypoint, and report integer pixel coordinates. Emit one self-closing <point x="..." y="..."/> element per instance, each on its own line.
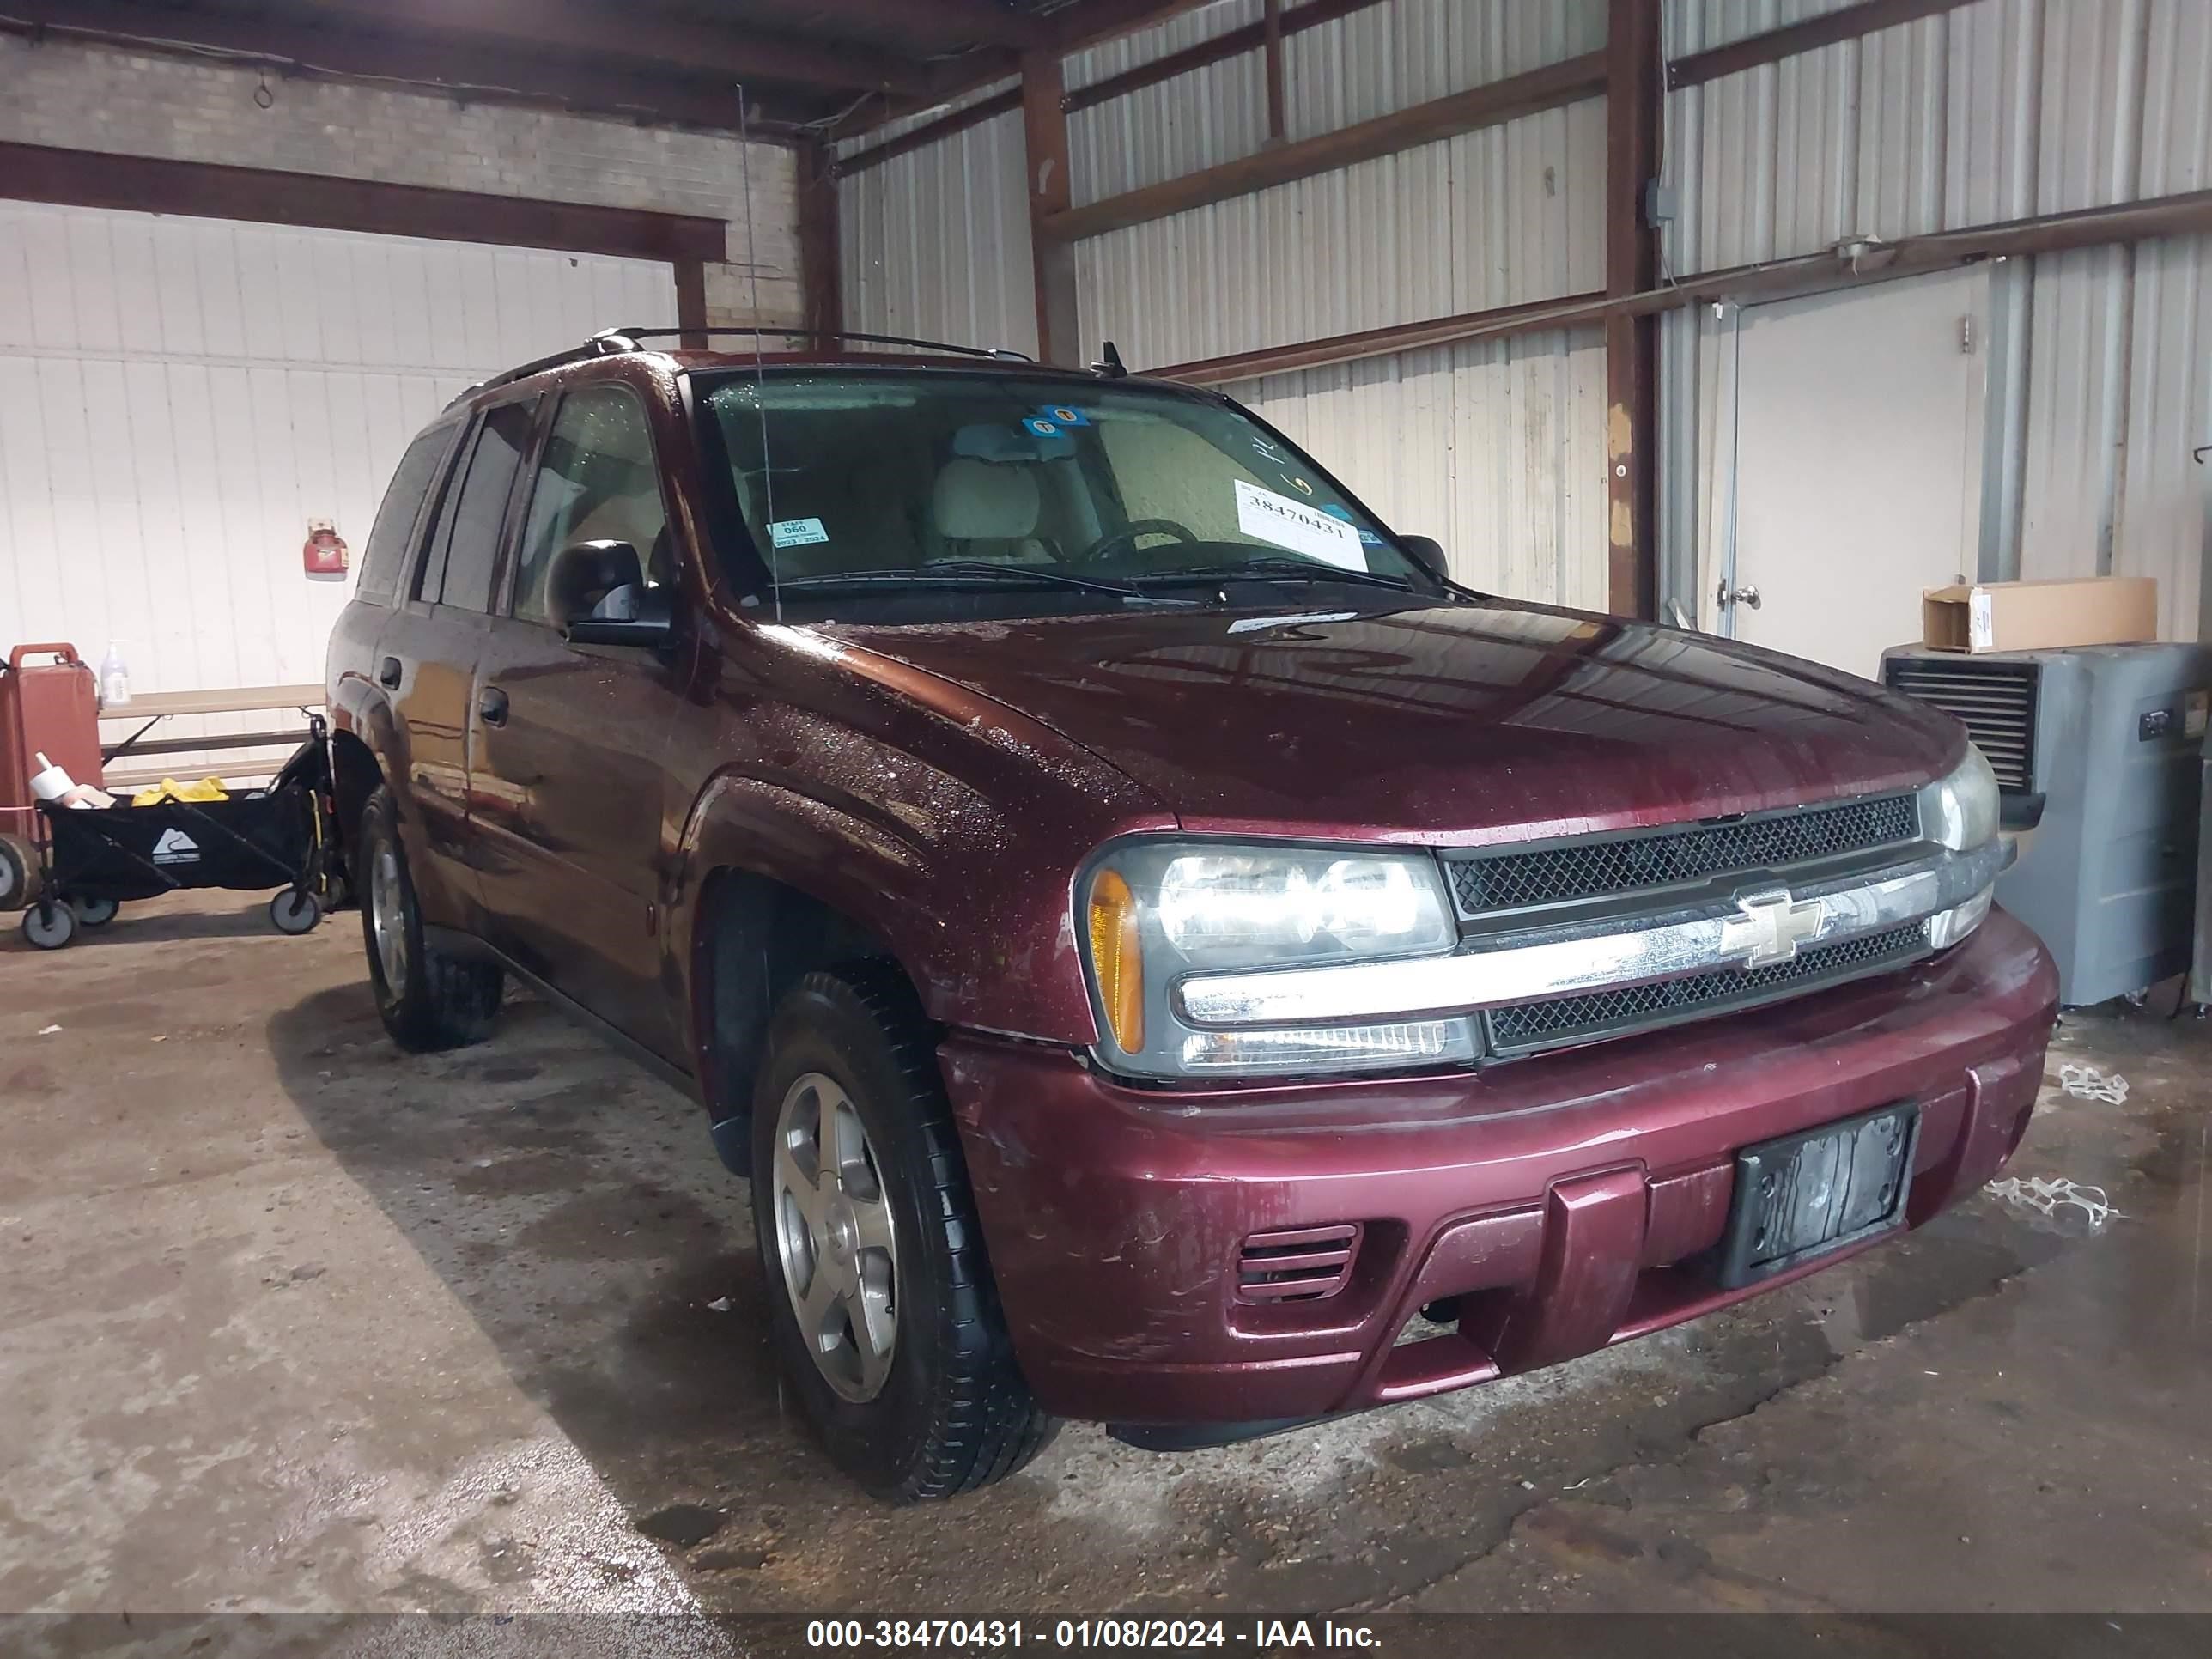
<point x="170" y="789"/>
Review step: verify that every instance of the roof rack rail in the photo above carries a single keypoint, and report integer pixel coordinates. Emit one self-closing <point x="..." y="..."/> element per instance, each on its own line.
<point x="1000" y="353"/>
<point x="609" y="341"/>
<point x="605" y="343"/>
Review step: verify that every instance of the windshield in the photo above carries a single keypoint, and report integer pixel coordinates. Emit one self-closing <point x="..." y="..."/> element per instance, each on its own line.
<point x="882" y="482"/>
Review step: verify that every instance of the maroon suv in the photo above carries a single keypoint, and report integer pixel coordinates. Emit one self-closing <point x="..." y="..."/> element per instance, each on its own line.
<point x="1162" y="951"/>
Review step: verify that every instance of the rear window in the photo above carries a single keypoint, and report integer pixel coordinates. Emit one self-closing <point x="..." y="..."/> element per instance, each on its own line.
<point x="390" y="536"/>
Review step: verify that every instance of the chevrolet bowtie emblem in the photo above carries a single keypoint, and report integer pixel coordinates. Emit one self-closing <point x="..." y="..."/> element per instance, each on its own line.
<point x="1768" y="927"/>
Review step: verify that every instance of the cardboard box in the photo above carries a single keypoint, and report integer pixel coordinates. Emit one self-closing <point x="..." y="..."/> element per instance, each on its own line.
<point x="2040" y="615"/>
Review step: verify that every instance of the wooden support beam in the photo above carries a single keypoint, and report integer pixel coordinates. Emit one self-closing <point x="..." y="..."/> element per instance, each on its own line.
<point x="1830" y="29"/>
<point x="1547" y="87"/>
<point x="1045" y="130"/>
<point x="1632" y="343"/>
<point x="691" y="303"/>
<point x="821" y="272"/>
<point x="1497" y="320"/>
<point x="143" y="183"/>
<point x="1271" y="35"/>
<point x="2189" y="214"/>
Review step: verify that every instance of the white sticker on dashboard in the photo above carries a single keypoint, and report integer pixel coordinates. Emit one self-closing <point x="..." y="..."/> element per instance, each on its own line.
<point x="797" y="532"/>
<point x="1302" y="529"/>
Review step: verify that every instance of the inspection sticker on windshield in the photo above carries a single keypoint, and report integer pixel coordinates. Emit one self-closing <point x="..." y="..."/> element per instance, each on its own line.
<point x="797" y="532"/>
<point x="1367" y="538"/>
<point x="1302" y="529"/>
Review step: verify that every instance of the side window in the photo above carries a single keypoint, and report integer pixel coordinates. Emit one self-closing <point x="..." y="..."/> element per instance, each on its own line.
<point x="466" y="546"/>
<point x="389" y="537"/>
<point x="596" y="481"/>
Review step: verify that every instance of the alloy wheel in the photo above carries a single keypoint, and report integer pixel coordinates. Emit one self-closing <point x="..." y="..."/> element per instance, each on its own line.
<point x="387" y="915"/>
<point x="834" y="1237"/>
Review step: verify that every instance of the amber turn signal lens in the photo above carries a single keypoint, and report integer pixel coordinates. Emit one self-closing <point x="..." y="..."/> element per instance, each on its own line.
<point x="1114" y="955"/>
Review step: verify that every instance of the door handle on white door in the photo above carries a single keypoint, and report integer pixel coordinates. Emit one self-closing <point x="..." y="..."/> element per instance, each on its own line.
<point x="1744" y="595"/>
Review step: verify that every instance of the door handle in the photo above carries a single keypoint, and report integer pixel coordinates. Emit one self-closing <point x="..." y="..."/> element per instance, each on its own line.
<point x="1744" y="595"/>
<point x="387" y="673"/>
<point x="492" y="705"/>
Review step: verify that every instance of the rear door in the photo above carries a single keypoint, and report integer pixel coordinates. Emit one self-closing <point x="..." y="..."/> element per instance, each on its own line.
<point x="427" y="656"/>
<point x="567" y="782"/>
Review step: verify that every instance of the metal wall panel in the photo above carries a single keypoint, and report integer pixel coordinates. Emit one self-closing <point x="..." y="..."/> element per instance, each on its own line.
<point x="1993" y="110"/>
<point x="1507" y="214"/>
<point x="177" y="397"/>
<point x="1497" y="448"/>
<point x="2161" y="530"/>
<point x="936" y="242"/>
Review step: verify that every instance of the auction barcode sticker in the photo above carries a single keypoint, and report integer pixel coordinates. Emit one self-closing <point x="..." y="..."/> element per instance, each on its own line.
<point x="1302" y="529"/>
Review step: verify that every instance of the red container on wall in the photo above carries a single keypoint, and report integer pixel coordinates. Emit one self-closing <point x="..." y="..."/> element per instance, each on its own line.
<point x="45" y="707"/>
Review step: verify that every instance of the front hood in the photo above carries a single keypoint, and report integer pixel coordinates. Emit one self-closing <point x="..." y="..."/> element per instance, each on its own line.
<point x="1471" y="722"/>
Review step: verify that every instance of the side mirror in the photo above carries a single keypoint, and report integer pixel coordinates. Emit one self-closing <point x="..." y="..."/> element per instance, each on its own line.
<point x="595" y="594"/>
<point x="1428" y="553"/>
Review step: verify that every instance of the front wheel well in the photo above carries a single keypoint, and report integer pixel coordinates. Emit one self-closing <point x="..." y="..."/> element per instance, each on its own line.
<point x="756" y="939"/>
<point x="354" y="776"/>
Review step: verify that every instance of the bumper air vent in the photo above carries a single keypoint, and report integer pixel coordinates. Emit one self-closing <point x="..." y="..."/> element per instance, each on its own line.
<point x="1996" y="701"/>
<point x="1303" y="1265"/>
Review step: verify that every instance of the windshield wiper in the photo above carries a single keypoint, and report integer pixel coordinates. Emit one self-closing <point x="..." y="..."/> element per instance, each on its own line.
<point x="1278" y="569"/>
<point x="962" y="571"/>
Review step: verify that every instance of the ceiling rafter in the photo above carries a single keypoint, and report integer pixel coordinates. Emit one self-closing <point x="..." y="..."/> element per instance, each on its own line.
<point x="469" y="74"/>
<point x="640" y="34"/>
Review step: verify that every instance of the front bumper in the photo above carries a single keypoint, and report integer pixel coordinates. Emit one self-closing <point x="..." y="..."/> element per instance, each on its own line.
<point x="1559" y="1203"/>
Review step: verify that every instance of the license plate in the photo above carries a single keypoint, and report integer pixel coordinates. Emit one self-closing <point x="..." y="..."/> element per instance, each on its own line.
<point x="1804" y="1195"/>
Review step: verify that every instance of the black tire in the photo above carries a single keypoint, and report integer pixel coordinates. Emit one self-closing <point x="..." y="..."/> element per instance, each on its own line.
<point x="50" y="924"/>
<point x="953" y="1413"/>
<point x="16" y="863"/>
<point x="292" y="911"/>
<point x="429" y="999"/>
<point x="94" y="912"/>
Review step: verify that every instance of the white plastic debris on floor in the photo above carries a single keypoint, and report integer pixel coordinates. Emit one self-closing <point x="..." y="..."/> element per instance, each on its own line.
<point x="2048" y="1197"/>
<point x="2087" y="1083"/>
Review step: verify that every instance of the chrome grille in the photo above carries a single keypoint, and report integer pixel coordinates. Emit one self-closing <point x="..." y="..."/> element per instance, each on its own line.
<point x="1526" y="1027"/>
<point x="1683" y="853"/>
<point x="1995" y="701"/>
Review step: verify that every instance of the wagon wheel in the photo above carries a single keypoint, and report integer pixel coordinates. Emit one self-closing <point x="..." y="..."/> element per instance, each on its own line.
<point x="49" y="924"/>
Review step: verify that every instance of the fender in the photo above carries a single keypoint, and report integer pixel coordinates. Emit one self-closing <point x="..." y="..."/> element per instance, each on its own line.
<point x="943" y="824"/>
<point x="359" y="708"/>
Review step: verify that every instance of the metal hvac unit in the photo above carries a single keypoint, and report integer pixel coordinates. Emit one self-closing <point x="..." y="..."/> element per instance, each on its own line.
<point x="2097" y="749"/>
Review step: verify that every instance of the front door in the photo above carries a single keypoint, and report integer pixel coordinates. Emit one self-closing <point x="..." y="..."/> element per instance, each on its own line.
<point x="1859" y="476"/>
<point x="566" y="783"/>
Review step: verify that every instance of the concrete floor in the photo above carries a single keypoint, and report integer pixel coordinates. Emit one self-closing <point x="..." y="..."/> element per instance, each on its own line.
<point x="293" y="1321"/>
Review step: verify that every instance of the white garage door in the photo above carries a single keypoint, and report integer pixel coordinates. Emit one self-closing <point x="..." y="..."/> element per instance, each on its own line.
<point x="180" y="397"/>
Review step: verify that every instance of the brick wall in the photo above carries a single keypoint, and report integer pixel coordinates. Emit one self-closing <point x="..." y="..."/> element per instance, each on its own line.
<point x="87" y="97"/>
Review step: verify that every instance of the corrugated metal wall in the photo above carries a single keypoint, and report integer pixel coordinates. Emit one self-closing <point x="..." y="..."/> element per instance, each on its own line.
<point x="1500" y="450"/>
<point x="177" y="397"/>
<point x="1997" y="110"/>
<point x="1497" y="448"/>
<point x="936" y="242"/>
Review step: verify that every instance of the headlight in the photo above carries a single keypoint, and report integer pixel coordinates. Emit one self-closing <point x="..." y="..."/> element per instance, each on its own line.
<point x="1959" y="811"/>
<point x="1155" y="911"/>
